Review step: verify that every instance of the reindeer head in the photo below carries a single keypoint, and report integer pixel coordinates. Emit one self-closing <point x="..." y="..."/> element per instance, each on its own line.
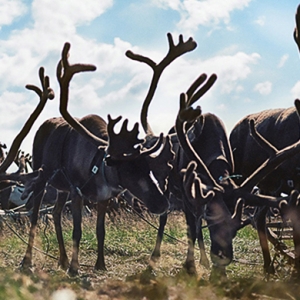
<point x="141" y="169"/>
<point x="210" y="198"/>
<point x="208" y="203"/>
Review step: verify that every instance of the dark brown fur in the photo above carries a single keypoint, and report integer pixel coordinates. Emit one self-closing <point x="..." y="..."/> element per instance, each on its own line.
<point x="281" y="127"/>
<point x="67" y="159"/>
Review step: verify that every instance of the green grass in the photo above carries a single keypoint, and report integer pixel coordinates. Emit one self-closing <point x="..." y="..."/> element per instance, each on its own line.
<point x="128" y="245"/>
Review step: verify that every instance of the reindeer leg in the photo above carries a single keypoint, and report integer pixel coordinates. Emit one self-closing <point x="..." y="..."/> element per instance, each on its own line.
<point x="4" y="197"/>
<point x="189" y="264"/>
<point x="101" y="207"/>
<point x="203" y="257"/>
<point x="296" y="239"/>
<point x="162" y="223"/>
<point x="261" y="230"/>
<point x="59" y="205"/>
<point x="38" y="196"/>
<point x="77" y="205"/>
<point x="294" y="216"/>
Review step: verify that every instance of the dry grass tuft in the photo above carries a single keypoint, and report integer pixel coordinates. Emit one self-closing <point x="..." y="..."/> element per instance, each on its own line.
<point x="128" y="245"/>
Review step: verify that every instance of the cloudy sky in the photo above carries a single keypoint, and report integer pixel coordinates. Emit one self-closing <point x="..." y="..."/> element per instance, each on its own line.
<point x="247" y="43"/>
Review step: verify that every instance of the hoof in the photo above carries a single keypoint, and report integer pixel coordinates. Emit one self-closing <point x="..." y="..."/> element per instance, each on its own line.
<point x="100" y="265"/>
<point x="269" y="270"/>
<point x="204" y="262"/>
<point x="100" y="268"/>
<point x="155" y="255"/>
<point x="73" y="272"/>
<point x="25" y="264"/>
<point x="154" y="258"/>
<point x="64" y="266"/>
<point x="63" y="263"/>
<point x="190" y="268"/>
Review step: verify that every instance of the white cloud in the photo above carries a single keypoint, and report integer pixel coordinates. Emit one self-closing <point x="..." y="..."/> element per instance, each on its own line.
<point x="119" y="85"/>
<point x="264" y="88"/>
<point x="68" y="14"/>
<point x="9" y="10"/>
<point x="231" y="69"/>
<point x="54" y="23"/>
<point x="173" y="4"/>
<point x="39" y="43"/>
<point x="296" y="90"/>
<point x="222" y="107"/>
<point x="260" y="21"/>
<point x="283" y="60"/>
<point x="15" y="108"/>
<point x="208" y="12"/>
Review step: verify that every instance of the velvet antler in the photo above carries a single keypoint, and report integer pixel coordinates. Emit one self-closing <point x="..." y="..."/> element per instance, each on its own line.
<point x="44" y="94"/>
<point x="174" y="52"/>
<point x="125" y="144"/>
<point x="65" y="73"/>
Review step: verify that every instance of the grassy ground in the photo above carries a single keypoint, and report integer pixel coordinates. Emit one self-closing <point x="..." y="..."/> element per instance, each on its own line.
<point x="129" y="242"/>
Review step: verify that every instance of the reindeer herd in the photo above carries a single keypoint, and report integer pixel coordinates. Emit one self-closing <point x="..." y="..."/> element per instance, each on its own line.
<point x="193" y="167"/>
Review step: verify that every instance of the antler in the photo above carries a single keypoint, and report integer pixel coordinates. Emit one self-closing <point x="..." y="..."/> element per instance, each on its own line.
<point x="191" y="182"/>
<point x="261" y="141"/>
<point x="64" y="73"/>
<point x="125" y="145"/>
<point x="45" y="93"/>
<point x="188" y="114"/>
<point x="174" y="52"/>
<point x="277" y="156"/>
<point x="297" y="28"/>
<point x="194" y="95"/>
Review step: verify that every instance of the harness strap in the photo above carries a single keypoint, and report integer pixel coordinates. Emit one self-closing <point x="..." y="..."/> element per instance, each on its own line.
<point x="94" y="170"/>
<point x="221" y="178"/>
<point x="103" y="169"/>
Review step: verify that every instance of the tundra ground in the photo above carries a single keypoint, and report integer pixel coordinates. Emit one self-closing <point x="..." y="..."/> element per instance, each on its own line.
<point x="129" y="242"/>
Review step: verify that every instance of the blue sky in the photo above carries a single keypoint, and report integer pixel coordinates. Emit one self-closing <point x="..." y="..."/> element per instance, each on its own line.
<point x="247" y="43"/>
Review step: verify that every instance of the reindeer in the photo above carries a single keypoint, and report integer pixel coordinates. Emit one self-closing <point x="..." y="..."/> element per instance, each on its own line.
<point x="281" y="127"/>
<point x="7" y="181"/>
<point x="175" y="188"/>
<point x="209" y="196"/>
<point x="10" y="190"/>
<point x="173" y="191"/>
<point x="209" y="140"/>
<point x="248" y="154"/>
<point x="270" y="123"/>
<point x="86" y="159"/>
